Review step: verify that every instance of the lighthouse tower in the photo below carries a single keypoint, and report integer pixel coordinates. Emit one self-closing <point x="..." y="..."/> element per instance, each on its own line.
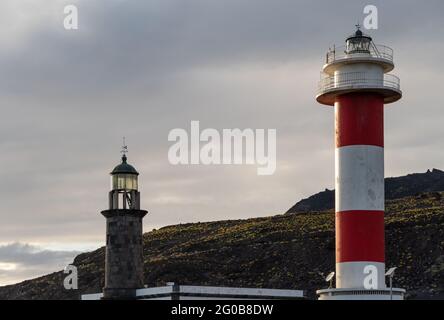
<point x="356" y="82"/>
<point x="124" y="246"/>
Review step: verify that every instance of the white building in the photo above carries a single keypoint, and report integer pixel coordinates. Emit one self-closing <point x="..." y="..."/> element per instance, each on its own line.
<point x="178" y="292"/>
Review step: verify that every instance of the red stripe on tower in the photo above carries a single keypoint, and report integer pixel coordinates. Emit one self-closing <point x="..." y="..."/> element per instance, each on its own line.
<point x="360" y="120"/>
<point x="360" y="236"/>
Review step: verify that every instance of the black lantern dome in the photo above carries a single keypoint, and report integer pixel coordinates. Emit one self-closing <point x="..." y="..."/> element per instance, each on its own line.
<point x="358" y="42"/>
<point x="124" y="167"/>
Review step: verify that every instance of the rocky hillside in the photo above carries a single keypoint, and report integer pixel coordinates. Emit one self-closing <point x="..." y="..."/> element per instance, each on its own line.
<point x="286" y="251"/>
<point x="395" y="188"/>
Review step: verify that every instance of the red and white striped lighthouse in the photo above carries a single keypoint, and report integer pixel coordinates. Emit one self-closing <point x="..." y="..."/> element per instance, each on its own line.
<point x="355" y="81"/>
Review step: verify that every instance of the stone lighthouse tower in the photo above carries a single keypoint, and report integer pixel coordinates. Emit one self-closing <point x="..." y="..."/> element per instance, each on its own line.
<point x="356" y="82"/>
<point x="124" y="247"/>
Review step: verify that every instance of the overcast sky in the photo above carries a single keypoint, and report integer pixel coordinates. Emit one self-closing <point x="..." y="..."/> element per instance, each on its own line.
<point x="142" y="68"/>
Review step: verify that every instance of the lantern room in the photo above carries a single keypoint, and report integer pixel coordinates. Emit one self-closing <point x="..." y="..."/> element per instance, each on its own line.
<point x="124" y="194"/>
<point x="124" y="176"/>
<point x="358" y="43"/>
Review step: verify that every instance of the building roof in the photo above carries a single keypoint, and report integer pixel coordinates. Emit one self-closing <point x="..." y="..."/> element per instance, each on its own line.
<point x="124" y="167"/>
<point x="178" y="292"/>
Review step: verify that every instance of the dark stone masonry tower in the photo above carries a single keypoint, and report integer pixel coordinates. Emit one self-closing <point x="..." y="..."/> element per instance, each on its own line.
<point x="124" y="245"/>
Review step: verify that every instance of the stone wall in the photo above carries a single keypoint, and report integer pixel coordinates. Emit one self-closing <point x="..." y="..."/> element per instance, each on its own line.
<point x="124" y="253"/>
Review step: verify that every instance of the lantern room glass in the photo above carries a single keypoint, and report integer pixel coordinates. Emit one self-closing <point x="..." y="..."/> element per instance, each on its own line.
<point x="124" y="181"/>
<point x="358" y="45"/>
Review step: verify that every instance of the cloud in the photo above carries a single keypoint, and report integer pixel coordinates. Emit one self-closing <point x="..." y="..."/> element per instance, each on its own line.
<point x="20" y="261"/>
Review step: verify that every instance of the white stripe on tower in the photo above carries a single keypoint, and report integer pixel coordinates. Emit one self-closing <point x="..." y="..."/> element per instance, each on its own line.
<point x="360" y="178"/>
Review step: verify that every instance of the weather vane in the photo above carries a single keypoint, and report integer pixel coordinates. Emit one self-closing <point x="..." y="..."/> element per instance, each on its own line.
<point x="358" y="26"/>
<point x="124" y="150"/>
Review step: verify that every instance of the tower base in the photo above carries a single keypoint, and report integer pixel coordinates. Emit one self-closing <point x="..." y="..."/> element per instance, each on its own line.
<point x="124" y="263"/>
<point x="361" y="294"/>
<point x="119" y="294"/>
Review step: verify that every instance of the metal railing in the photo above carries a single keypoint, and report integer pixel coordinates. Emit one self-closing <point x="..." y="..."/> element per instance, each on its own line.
<point x="351" y="80"/>
<point x="376" y="51"/>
